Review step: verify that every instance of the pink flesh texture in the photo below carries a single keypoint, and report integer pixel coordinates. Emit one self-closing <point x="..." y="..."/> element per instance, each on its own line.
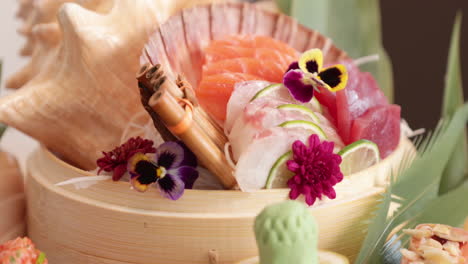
<point x="381" y="125"/>
<point x="262" y="114"/>
<point x="361" y="94"/>
<point x="245" y="91"/>
<point x="256" y="161"/>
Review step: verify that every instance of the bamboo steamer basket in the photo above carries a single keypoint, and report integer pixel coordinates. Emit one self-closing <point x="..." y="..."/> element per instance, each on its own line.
<point x="110" y="223"/>
<point x="12" y="199"/>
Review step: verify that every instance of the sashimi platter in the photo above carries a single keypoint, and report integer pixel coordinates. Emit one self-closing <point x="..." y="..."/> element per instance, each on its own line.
<point x="166" y="128"/>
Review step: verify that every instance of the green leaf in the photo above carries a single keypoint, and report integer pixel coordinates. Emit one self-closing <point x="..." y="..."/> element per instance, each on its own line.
<point x="41" y="258"/>
<point x="457" y="167"/>
<point x="284" y="6"/>
<point x="354" y="26"/>
<point x="417" y="186"/>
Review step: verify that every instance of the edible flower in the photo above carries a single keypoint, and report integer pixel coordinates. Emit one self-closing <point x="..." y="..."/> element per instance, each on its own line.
<point x="316" y="169"/>
<point x="172" y="169"/>
<point x="304" y="76"/>
<point x="21" y="250"/>
<point x="115" y="161"/>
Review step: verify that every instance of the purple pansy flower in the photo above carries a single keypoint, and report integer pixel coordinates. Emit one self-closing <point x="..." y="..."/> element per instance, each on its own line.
<point x="305" y="75"/>
<point x="172" y="170"/>
<point x="316" y="169"/>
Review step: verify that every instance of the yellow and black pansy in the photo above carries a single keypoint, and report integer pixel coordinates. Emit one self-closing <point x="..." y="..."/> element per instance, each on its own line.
<point x="304" y="76"/>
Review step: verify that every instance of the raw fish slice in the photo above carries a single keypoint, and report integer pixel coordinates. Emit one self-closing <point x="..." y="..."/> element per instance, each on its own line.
<point x="255" y="163"/>
<point x="244" y="92"/>
<point x="214" y="91"/>
<point x="240" y="97"/>
<point x="268" y="70"/>
<point x="257" y="117"/>
<point x="361" y="94"/>
<point x="381" y="125"/>
<point x="224" y="52"/>
<point x="257" y="42"/>
<point x="331" y="132"/>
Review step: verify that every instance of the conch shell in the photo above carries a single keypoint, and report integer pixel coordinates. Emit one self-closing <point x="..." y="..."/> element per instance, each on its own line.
<point x="178" y="44"/>
<point x="12" y="200"/>
<point x="82" y="99"/>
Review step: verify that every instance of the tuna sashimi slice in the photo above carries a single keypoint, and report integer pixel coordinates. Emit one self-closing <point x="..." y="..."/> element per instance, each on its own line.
<point x="381" y="125"/>
<point x="214" y="91"/>
<point x="256" y="161"/>
<point x="218" y="53"/>
<point x="361" y="94"/>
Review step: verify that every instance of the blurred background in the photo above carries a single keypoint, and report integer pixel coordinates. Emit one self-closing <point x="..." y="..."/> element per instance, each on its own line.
<point x="416" y="35"/>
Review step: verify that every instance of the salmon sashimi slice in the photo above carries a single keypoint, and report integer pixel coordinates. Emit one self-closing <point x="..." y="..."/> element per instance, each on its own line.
<point x="214" y="91"/>
<point x="269" y="70"/>
<point x="240" y="58"/>
<point x="257" y="42"/>
<point x="225" y="52"/>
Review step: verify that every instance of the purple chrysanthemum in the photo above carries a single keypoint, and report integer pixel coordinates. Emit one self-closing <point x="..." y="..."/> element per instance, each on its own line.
<point x="316" y="170"/>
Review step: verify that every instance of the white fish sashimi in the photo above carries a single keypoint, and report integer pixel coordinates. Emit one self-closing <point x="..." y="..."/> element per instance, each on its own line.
<point x="240" y="97"/>
<point x="244" y="92"/>
<point x="259" y="115"/>
<point x="255" y="163"/>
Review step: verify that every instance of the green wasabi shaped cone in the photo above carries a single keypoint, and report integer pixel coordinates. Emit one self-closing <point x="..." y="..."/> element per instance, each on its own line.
<point x="287" y="233"/>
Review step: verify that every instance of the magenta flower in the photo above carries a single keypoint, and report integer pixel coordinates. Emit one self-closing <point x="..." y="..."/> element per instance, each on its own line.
<point x="316" y="168"/>
<point x="115" y="161"/>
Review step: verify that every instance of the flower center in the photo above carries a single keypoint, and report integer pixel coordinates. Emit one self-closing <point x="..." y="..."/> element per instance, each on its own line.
<point x="161" y="172"/>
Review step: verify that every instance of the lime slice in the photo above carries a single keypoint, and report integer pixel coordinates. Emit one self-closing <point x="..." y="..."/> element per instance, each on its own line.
<point x="279" y="173"/>
<point x="312" y="127"/>
<point x="267" y="90"/>
<point x="358" y="156"/>
<point x="328" y="257"/>
<point x="315" y="104"/>
<point x="300" y="108"/>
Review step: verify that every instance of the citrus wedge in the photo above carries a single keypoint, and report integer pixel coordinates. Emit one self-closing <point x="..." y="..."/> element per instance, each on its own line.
<point x="328" y="257"/>
<point x="358" y="156"/>
<point x="316" y="105"/>
<point x="267" y="90"/>
<point x="302" y="109"/>
<point x="279" y="173"/>
<point x="312" y="127"/>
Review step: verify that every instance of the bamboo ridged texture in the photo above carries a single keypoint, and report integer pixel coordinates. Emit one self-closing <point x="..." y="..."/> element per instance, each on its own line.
<point x="110" y="223"/>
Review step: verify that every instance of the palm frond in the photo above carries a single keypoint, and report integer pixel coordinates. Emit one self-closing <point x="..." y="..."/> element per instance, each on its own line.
<point x="457" y="166"/>
<point x="415" y="188"/>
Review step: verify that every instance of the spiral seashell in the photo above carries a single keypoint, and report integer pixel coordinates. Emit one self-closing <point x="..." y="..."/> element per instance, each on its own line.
<point x="79" y="91"/>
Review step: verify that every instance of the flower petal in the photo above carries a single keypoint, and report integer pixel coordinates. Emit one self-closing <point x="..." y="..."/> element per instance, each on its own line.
<point x="143" y="172"/>
<point x="188" y="175"/>
<point x="336" y="77"/>
<point x="171" y="187"/>
<point x="293" y="66"/>
<point x="298" y="85"/>
<point x="311" y="61"/>
<point x="119" y="171"/>
<point x="174" y="154"/>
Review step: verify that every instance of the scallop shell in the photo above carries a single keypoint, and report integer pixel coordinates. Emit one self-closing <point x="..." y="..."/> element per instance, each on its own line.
<point x="12" y="200"/>
<point x="82" y="92"/>
<point x="178" y="44"/>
